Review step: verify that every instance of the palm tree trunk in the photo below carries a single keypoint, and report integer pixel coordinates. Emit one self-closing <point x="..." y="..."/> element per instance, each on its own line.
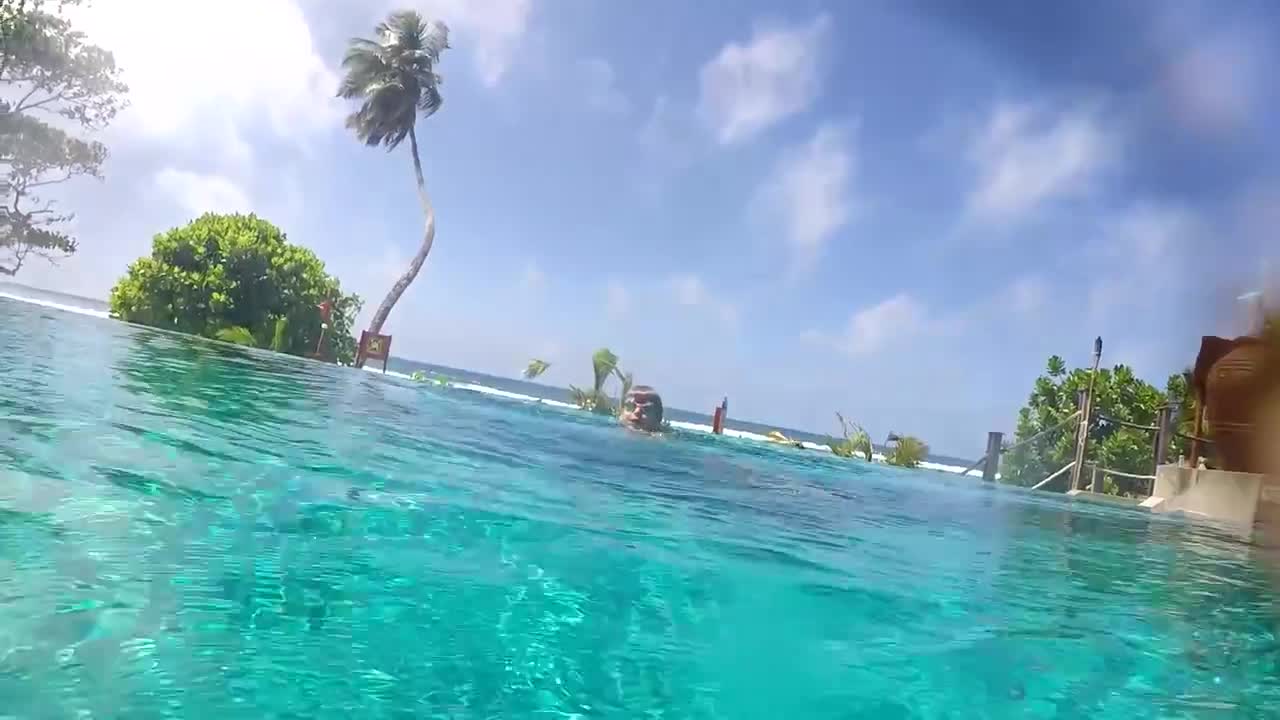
<point x="428" y="238"/>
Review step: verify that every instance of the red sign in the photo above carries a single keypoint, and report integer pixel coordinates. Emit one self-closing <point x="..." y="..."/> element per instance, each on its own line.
<point x="375" y="346"/>
<point x="326" y="309"/>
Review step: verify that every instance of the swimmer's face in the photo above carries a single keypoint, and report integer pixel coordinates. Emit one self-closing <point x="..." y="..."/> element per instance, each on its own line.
<point x="642" y="409"/>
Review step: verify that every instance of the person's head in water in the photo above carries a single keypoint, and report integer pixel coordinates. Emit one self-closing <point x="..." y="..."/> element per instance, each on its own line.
<point x="642" y="409"/>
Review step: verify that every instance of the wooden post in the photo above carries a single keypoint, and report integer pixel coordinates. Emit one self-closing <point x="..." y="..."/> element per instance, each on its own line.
<point x="1093" y="479"/>
<point x="1197" y="433"/>
<point x="1164" y="434"/>
<point x="1086" y="409"/>
<point x="991" y="463"/>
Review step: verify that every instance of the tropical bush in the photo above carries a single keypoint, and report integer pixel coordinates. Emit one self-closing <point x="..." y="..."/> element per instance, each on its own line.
<point x="237" y="278"/>
<point x="855" y="440"/>
<point x="906" y="451"/>
<point x="1119" y="394"/>
<point x="604" y="365"/>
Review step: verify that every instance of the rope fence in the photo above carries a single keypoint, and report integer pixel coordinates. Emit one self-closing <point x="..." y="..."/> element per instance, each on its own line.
<point x="1067" y="421"/>
<point x="1054" y="476"/>
<point x="1087" y="418"/>
<point x="1126" y="423"/>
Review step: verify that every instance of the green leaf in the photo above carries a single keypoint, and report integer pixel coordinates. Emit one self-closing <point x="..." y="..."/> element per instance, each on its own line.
<point x="236" y="335"/>
<point x="535" y="368"/>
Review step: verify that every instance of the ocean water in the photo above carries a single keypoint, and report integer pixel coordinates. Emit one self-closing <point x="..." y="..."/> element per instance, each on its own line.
<point x="190" y="529"/>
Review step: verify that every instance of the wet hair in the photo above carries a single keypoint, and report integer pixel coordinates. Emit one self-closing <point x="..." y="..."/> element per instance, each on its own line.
<point x="655" y="401"/>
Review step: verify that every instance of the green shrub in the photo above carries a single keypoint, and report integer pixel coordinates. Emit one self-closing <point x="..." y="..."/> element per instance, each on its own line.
<point x="225" y="271"/>
<point x="907" y="451"/>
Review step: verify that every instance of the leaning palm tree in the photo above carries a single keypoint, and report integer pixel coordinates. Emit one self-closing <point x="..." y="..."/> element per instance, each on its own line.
<point x="394" y="77"/>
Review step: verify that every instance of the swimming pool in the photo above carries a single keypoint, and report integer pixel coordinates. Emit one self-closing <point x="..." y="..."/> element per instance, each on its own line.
<point x="195" y="530"/>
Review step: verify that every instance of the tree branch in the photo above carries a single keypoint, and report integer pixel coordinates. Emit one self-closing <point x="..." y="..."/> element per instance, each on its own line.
<point x="55" y="181"/>
<point x="19" y="256"/>
<point x="18" y="107"/>
<point x="41" y="103"/>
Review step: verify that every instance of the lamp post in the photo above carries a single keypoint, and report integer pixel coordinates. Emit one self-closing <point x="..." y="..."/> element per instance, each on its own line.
<point x="326" y="309"/>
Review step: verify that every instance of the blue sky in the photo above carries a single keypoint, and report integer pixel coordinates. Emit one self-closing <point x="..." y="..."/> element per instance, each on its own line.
<point x="892" y="209"/>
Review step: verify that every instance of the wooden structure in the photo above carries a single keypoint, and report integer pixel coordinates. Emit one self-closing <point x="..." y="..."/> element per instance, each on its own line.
<point x="1228" y="381"/>
<point x="373" y="346"/>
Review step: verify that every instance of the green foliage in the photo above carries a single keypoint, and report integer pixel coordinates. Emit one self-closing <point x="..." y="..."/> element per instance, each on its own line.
<point x="604" y="365"/>
<point x="223" y="271"/>
<point x="394" y="76"/>
<point x="855" y="441"/>
<point x="1119" y="394"/>
<point x="535" y="368"/>
<point x="433" y="378"/>
<point x="46" y="69"/>
<point x="280" y="338"/>
<point x="907" y="451"/>
<point x="626" y="379"/>
<point x="595" y="401"/>
<point x="236" y="335"/>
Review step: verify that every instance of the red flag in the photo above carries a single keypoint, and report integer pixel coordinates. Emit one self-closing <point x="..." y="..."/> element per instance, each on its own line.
<point x="326" y="308"/>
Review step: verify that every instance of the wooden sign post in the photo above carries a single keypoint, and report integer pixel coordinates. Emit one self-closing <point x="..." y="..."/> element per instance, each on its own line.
<point x="374" y="347"/>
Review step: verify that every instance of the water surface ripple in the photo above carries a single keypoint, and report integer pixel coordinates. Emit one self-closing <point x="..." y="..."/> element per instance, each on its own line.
<point x="189" y="529"/>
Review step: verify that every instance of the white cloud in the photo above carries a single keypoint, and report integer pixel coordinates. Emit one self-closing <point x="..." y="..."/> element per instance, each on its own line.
<point x="810" y="192"/>
<point x="1027" y="295"/>
<point x="1142" y="252"/>
<point x="617" y="299"/>
<point x="1149" y="233"/>
<point x="201" y="71"/>
<point x="532" y="279"/>
<point x="1027" y="156"/>
<point x="601" y="87"/>
<point x="747" y="88"/>
<point x="690" y="291"/>
<point x="872" y="328"/>
<point x="728" y="314"/>
<point x="199" y="193"/>
<point x="492" y="29"/>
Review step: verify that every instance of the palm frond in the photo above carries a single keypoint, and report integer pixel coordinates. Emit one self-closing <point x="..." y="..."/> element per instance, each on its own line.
<point x="535" y="368"/>
<point x="236" y="335"/>
<point x="394" y="75"/>
<point x="627" y="381"/>
<point x="908" y="451"/>
<point x="603" y="364"/>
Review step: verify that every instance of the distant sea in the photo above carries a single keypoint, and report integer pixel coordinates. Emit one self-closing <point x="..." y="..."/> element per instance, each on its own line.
<point x="519" y="390"/>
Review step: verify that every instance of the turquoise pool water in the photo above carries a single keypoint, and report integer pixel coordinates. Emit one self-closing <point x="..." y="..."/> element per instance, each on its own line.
<point x="194" y="530"/>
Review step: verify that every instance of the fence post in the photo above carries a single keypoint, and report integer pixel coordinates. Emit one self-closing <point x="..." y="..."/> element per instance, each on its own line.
<point x="1082" y="439"/>
<point x="991" y="463"/>
<point x="1164" y="434"/>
